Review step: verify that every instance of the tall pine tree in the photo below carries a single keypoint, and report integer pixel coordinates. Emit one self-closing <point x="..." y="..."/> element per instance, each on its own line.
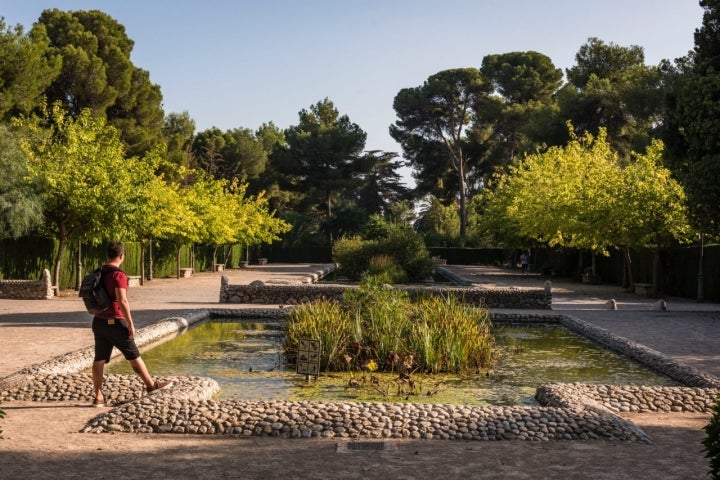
<point x="693" y="133"/>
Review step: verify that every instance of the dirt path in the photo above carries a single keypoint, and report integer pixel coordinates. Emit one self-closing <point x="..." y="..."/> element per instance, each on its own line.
<point x="41" y="441"/>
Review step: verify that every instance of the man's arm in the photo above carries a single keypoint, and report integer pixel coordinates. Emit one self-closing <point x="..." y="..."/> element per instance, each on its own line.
<point x="124" y="305"/>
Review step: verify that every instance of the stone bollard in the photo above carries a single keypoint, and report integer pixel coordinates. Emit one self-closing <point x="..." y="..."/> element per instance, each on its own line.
<point x="611" y="304"/>
<point x="660" y="305"/>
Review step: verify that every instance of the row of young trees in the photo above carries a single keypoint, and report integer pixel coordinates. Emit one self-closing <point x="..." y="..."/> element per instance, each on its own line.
<point x="457" y="130"/>
<point x="584" y="196"/>
<point x="76" y="184"/>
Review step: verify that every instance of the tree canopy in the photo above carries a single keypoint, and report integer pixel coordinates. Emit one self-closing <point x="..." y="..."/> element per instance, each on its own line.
<point x="79" y="169"/>
<point x="584" y="196"/>
<point x="694" y="122"/>
<point x="611" y="87"/>
<point x="520" y="114"/>
<point x="323" y="153"/>
<point x="97" y="74"/>
<point x="434" y="127"/>
<point x="27" y="67"/>
<point x="20" y="200"/>
<point x="382" y="188"/>
<point x="90" y="191"/>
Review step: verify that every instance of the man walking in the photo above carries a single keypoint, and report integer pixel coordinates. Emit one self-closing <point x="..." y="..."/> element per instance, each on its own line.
<point x="114" y="327"/>
<point x="524" y="262"/>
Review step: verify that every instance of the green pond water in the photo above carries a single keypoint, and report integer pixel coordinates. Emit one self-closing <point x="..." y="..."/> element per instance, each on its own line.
<point x="246" y="359"/>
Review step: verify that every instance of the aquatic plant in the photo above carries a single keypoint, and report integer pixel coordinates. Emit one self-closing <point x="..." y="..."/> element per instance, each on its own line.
<point x="450" y="336"/>
<point x="384" y="325"/>
<point x="324" y="320"/>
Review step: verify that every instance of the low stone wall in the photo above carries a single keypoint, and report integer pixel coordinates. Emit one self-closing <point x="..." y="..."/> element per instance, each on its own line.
<point x="277" y="418"/>
<point x="628" y="398"/>
<point x="258" y="292"/>
<point x="120" y="388"/>
<point x="28" y="289"/>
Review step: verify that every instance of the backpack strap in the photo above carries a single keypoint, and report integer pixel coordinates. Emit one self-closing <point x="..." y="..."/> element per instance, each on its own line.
<point x="104" y="270"/>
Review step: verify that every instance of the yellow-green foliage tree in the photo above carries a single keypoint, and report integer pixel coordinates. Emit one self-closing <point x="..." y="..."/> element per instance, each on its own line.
<point x="159" y="209"/>
<point x="583" y="196"/>
<point x="254" y="222"/>
<point x="226" y="216"/>
<point x="79" y="169"/>
<point x="555" y="197"/>
<point x="650" y="207"/>
<point x="90" y="192"/>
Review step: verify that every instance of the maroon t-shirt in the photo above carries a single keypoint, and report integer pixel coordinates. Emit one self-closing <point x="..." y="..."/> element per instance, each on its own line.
<point x="112" y="280"/>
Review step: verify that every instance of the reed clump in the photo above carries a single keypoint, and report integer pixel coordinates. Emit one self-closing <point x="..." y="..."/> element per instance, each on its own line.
<point x="383" y="325"/>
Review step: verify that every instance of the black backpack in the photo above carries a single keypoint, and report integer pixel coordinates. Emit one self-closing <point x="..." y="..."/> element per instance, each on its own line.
<point x="93" y="292"/>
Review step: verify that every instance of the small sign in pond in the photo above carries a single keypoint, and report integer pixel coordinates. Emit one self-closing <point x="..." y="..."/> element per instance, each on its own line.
<point x="308" y="359"/>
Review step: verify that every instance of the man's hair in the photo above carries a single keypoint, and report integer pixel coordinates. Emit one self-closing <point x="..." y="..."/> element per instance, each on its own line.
<point x="115" y="249"/>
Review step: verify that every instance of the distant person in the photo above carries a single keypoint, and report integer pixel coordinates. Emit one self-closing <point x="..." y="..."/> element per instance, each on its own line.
<point x="114" y="327"/>
<point x="524" y="262"/>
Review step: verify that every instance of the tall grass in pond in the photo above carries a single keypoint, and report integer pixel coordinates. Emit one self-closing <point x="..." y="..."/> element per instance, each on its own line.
<point x="376" y="322"/>
<point x="450" y="336"/>
<point x="324" y="320"/>
<point x="384" y="315"/>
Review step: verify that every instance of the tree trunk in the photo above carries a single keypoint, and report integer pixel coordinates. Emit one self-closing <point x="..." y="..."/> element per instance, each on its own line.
<point x="628" y="267"/>
<point x="655" y="263"/>
<point x="62" y="240"/>
<point x="463" y="212"/>
<point x="79" y="273"/>
<point x="150" y="259"/>
<point x="142" y="262"/>
<point x="179" y="246"/>
<point x="227" y="254"/>
<point x="214" y="261"/>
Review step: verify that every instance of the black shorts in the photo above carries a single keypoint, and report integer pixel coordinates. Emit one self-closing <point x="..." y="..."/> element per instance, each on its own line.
<point x="111" y="333"/>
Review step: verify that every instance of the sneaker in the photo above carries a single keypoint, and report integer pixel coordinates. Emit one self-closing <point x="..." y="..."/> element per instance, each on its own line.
<point x="158" y="385"/>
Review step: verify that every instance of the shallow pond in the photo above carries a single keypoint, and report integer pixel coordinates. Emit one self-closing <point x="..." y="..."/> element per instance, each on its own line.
<point x="246" y="360"/>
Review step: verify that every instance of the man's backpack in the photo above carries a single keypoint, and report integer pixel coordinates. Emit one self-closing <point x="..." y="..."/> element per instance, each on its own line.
<point x="93" y="292"/>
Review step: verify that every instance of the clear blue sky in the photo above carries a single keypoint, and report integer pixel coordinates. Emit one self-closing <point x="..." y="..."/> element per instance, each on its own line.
<point x="240" y="63"/>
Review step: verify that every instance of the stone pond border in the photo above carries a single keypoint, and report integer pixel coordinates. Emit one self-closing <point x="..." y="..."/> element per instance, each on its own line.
<point x="263" y="293"/>
<point x="568" y="412"/>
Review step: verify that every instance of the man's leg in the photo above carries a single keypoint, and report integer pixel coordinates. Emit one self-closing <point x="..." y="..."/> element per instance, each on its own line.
<point x="138" y="365"/>
<point x="97" y="377"/>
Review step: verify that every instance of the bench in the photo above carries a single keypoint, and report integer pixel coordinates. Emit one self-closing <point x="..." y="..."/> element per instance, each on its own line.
<point x="186" y="272"/>
<point x="644" y="289"/>
<point x="133" y="280"/>
<point x="219" y="267"/>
